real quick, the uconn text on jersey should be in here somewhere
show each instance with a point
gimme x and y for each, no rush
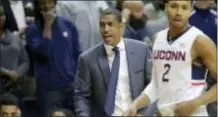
(169, 55)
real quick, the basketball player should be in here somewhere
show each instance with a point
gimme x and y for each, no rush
(179, 56)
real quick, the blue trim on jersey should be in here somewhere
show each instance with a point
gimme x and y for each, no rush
(198, 72)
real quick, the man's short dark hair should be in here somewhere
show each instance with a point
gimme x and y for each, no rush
(111, 11)
(8, 99)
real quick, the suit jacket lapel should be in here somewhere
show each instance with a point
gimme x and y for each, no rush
(131, 58)
(103, 63)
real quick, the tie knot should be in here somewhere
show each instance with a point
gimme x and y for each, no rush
(116, 50)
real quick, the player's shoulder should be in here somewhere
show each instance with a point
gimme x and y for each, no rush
(202, 39)
(162, 33)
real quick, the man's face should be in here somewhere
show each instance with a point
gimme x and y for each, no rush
(2, 17)
(111, 29)
(137, 11)
(46, 5)
(178, 12)
(9, 110)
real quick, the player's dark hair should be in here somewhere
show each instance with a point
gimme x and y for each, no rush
(111, 11)
(8, 99)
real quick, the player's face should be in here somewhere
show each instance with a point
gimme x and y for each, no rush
(178, 12)
(111, 29)
(8, 110)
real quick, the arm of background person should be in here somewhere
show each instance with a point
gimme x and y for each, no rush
(82, 89)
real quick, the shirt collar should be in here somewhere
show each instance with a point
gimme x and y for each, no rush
(109, 48)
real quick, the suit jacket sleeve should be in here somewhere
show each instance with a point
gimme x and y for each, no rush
(148, 70)
(82, 89)
(148, 65)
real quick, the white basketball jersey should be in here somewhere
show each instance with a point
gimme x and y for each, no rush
(177, 79)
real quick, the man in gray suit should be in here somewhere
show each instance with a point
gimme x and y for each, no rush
(113, 73)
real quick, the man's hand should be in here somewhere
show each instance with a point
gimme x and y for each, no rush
(186, 108)
(132, 111)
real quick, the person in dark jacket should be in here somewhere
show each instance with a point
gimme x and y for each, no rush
(135, 27)
(55, 46)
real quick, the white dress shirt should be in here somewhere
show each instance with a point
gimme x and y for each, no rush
(123, 97)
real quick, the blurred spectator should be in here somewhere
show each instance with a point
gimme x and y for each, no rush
(11, 21)
(135, 27)
(159, 7)
(62, 113)
(84, 14)
(150, 11)
(14, 61)
(119, 5)
(157, 20)
(102, 5)
(19, 14)
(29, 11)
(54, 43)
(205, 18)
(9, 106)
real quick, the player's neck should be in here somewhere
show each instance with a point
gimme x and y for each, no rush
(173, 31)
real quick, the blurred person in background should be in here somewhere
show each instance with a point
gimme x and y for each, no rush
(157, 19)
(102, 5)
(119, 5)
(9, 106)
(84, 14)
(17, 8)
(54, 42)
(11, 23)
(205, 18)
(135, 26)
(14, 62)
(29, 11)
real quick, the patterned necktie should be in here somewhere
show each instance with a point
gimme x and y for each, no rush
(111, 92)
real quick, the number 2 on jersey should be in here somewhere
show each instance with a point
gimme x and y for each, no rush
(167, 68)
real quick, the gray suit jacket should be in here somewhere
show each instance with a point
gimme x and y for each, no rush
(93, 76)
